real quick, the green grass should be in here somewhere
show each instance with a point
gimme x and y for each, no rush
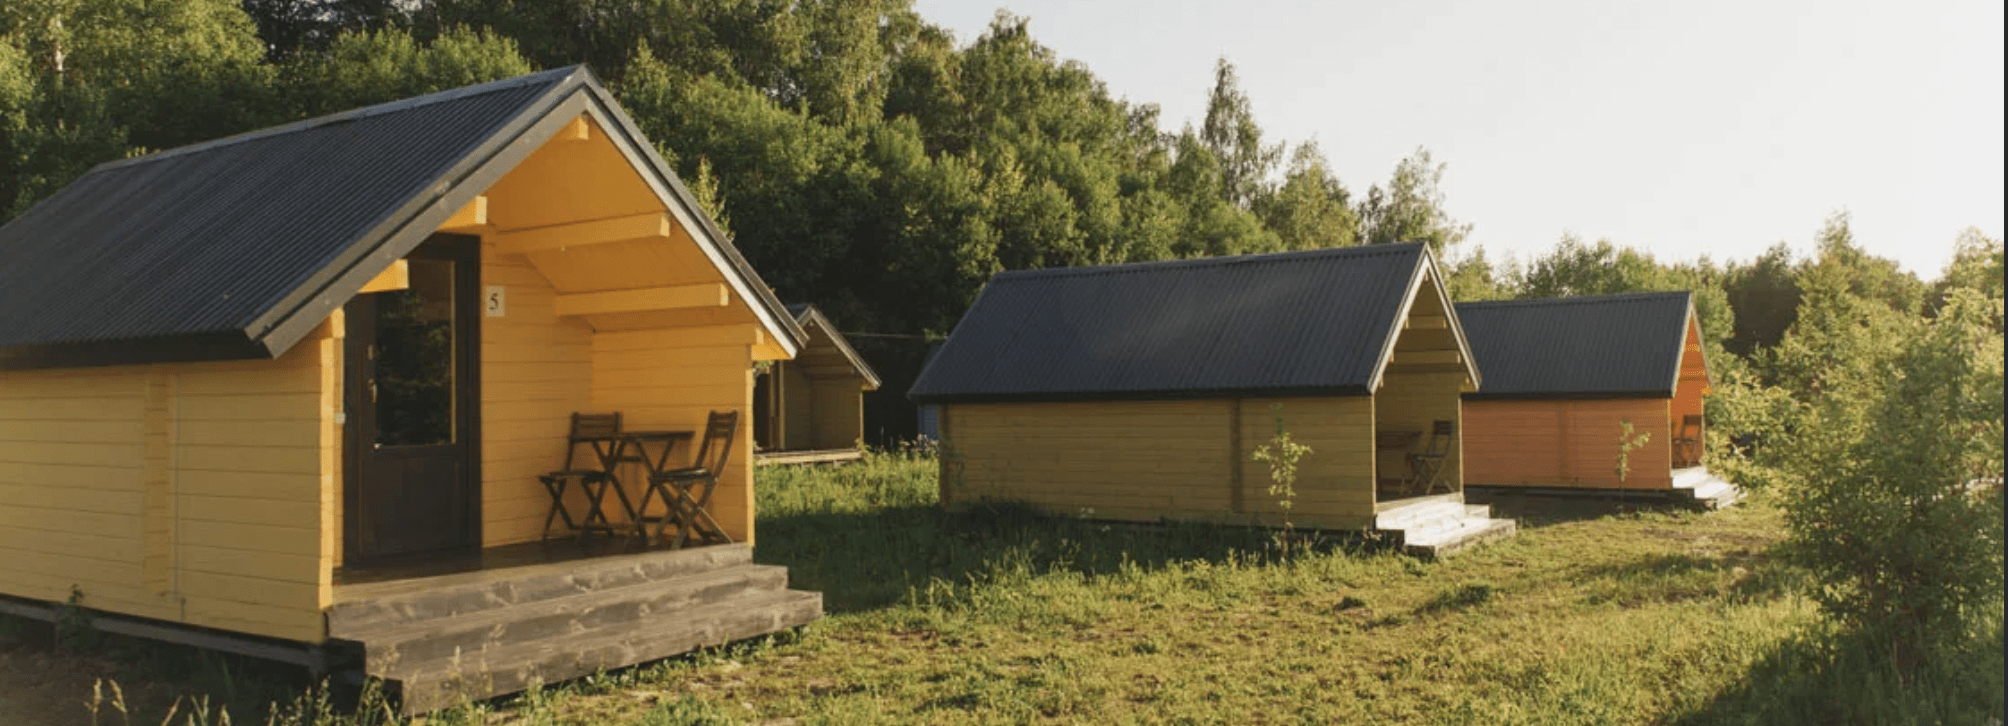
(1004, 616)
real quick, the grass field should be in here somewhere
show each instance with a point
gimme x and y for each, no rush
(1590, 616)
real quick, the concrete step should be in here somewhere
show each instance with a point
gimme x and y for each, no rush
(1688, 477)
(368, 608)
(415, 647)
(514, 667)
(1442, 540)
(1704, 488)
(1410, 515)
(1478, 511)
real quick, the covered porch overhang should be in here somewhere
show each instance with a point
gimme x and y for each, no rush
(599, 292)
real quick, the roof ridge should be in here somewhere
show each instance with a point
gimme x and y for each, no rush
(1579, 299)
(1221, 261)
(354, 114)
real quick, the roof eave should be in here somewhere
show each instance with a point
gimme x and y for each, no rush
(1564, 395)
(1161, 395)
(186, 348)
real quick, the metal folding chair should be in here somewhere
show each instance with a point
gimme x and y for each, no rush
(1427, 464)
(687, 491)
(596, 432)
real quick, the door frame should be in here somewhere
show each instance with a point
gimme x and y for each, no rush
(465, 252)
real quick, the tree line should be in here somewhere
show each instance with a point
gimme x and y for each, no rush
(859, 156)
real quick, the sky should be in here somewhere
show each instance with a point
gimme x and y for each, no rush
(1682, 128)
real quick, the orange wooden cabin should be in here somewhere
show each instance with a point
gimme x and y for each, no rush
(1563, 375)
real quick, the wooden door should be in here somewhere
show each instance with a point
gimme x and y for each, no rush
(412, 483)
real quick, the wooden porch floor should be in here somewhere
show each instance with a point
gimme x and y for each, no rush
(445, 629)
(807, 456)
(526, 554)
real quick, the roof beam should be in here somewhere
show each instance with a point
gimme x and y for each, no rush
(395, 277)
(1427, 322)
(471, 219)
(653, 225)
(830, 371)
(577, 130)
(1426, 357)
(710, 294)
(1425, 368)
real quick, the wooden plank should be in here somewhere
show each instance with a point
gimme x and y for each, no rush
(395, 277)
(648, 226)
(471, 219)
(254, 537)
(652, 298)
(1426, 322)
(304, 459)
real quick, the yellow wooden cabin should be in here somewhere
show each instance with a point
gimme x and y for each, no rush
(289, 393)
(811, 409)
(1139, 392)
(1562, 377)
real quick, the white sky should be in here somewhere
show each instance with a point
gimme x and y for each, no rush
(1683, 128)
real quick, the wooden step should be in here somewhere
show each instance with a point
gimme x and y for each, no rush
(418, 646)
(514, 667)
(361, 609)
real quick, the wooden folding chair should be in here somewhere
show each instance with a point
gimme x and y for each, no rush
(1687, 444)
(1427, 464)
(596, 432)
(687, 491)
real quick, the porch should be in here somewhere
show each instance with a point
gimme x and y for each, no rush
(443, 629)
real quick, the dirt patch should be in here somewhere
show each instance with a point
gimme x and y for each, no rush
(47, 687)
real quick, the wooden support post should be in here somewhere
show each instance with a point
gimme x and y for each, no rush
(1238, 499)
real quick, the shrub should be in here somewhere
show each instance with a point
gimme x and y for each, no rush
(1899, 514)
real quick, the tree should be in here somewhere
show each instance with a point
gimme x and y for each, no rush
(1231, 134)
(1765, 297)
(107, 78)
(1976, 265)
(1473, 278)
(1311, 209)
(360, 69)
(1410, 208)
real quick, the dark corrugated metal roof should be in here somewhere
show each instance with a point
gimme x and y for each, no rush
(1295, 322)
(215, 250)
(1609, 346)
(204, 240)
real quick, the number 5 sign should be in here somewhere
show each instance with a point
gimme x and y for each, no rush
(493, 302)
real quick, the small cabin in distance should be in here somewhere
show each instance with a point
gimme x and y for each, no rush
(810, 410)
(1564, 374)
(1139, 392)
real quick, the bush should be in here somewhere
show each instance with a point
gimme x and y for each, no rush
(1899, 513)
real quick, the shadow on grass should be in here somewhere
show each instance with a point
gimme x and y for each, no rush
(1542, 510)
(871, 559)
(1826, 676)
(1741, 575)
